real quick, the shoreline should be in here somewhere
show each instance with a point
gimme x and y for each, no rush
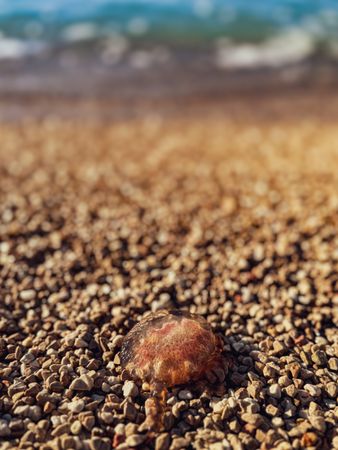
(249, 97)
(189, 83)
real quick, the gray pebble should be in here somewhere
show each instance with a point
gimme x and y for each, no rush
(184, 394)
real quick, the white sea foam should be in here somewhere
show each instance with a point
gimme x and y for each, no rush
(113, 48)
(290, 47)
(15, 48)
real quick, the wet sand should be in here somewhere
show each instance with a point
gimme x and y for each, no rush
(224, 207)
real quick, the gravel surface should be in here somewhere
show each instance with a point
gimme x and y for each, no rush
(102, 223)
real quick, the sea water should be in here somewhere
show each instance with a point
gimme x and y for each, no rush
(238, 33)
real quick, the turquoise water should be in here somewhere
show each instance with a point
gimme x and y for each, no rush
(176, 20)
(26, 26)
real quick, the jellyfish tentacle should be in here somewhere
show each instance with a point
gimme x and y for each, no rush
(154, 407)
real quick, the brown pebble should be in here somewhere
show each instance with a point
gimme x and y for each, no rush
(135, 440)
(309, 439)
(61, 429)
(333, 364)
(319, 357)
(82, 383)
(162, 441)
(97, 443)
(75, 427)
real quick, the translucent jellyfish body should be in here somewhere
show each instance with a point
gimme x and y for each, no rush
(170, 348)
(166, 349)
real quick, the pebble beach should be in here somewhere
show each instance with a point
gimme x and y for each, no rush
(231, 214)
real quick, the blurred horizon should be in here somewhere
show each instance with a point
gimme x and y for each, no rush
(132, 52)
(238, 33)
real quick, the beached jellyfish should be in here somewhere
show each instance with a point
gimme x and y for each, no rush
(166, 349)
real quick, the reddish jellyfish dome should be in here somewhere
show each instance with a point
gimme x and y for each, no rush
(169, 348)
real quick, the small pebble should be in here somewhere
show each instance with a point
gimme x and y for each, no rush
(76, 406)
(333, 364)
(135, 440)
(313, 390)
(319, 357)
(184, 394)
(130, 389)
(162, 442)
(28, 294)
(82, 383)
(275, 391)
